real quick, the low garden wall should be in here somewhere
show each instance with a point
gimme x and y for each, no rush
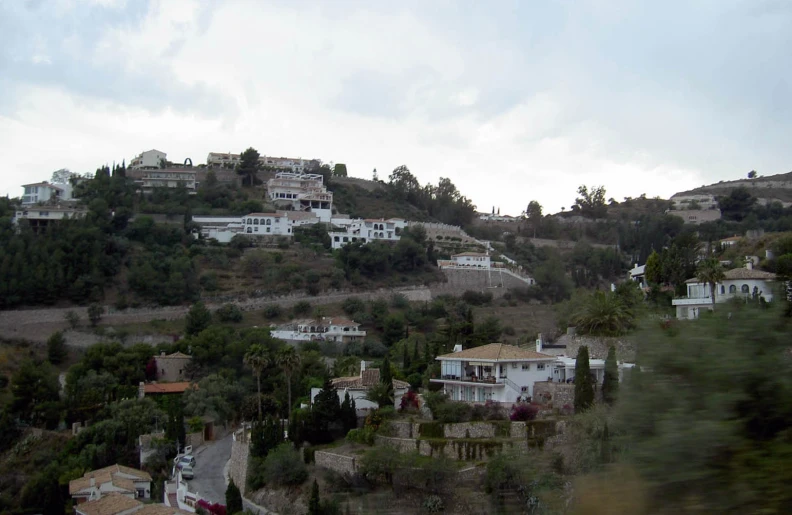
(337, 462)
(456, 449)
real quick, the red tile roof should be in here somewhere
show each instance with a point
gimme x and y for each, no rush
(160, 388)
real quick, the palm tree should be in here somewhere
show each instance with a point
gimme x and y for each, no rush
(257, 359)
(710, 272)
(289, 361)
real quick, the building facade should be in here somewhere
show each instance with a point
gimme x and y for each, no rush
(149, 159)
(148, 179)
(358, 386)
(301, 192)
(472, 260)
(44, 192)
(172, 367)
(739, 283)
(368, 230)
(267, 224)
(333, 329)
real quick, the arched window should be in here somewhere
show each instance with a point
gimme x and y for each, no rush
(723, 289)
(250, 221)
(745, 288)
(269, 222)
(255, 221)
(249, 229)
(732, 289)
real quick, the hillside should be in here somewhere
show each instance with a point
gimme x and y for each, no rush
(766, 189)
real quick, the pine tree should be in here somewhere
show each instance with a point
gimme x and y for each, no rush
(348, 413)
(233, 498)
(56, 348)
(610, 384)
(314, 504)
(584, 387)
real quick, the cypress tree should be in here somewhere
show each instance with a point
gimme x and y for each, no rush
(584, 387)
(233, 498)
(314, 504)
(610, 384)
(386, 377)
(415, 357)
(405, 357)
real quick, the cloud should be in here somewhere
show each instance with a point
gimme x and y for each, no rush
(512, 102)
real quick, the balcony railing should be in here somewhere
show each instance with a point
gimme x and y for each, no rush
(474, 379)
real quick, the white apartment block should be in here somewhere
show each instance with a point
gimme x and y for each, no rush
(147, 180)
(41, 216)
(42, 192)
(148, 159)
(293, 164)
(368, 230)
(267, 224)
(303, 192)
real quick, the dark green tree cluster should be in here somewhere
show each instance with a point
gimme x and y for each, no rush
(377, 259)
(266, 435)
(322, 423)
(443, 202)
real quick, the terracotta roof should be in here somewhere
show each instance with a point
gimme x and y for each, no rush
(110, 504)
(179, 355)
(273, 215)
(155, 388)
(368, 378)
(471, 254)
(737, 274)
(160, 509)
(123, 469)
(495, 352)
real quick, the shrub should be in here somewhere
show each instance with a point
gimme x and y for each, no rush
(488, 411)
(209, 282)
(409, 402)
(453, 412)
(353, 349)
(273, 311)
(380, 463)
(309, 454)
(434, 400)
(399, 301)
(73, 319)
(374, 349)
(523, 412)
(364, 436)
(284, 466)
(433, 503)
(475, 298)
(56, 348)
(509, 330)
(95, 312)
(415, 379)
(302, 308)
(229, 313)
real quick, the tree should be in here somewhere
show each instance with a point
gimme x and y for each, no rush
(248, 166)
(34, 387)
(584, 386)
(752, 174)
(604, 314)
(56, 348)
(710, 272)
(340, 170)
(737, 204)
(257, 359)
(393, 330)
(289, 361)
(348, 413)
(174, 427)
(386, 378)
(95, 312)
(266, 435)
(314, 504)
(591, 204)
(73, 319)
(654, 269)
(198, 318)
(610, 384)
(534, 215)
(233, 498)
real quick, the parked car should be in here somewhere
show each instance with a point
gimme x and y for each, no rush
(186, 460)
(187, 472)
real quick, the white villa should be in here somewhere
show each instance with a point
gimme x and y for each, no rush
(148, 159)
(738, 283)
(332, 329)
(368, 230)
(638, 275)
(41, 216)
(496, 372)
(358, 386)
(276, 224)
(471, 259)
(303, 192)
(126, 481)
(224, 228)
(41, 192)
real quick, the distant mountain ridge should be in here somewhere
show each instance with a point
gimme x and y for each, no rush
(767, 189)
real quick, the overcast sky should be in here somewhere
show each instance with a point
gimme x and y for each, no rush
(512, 100)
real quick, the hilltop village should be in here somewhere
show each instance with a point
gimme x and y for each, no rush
(271, 335)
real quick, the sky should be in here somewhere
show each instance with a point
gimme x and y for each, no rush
(512, 100)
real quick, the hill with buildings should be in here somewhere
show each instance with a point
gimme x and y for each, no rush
(773, 188)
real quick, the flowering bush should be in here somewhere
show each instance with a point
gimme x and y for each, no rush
(523, 412)
(410, 402)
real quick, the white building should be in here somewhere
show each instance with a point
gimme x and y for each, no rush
(267, 224)
(332, 329)
(42, 192)
(694, 202)
(358, 386)
(119, 479)
(147, 179)
(496, 372)
(41, 216)
(220, 228)
(303, 192)
(224, 159)
(638, 275)
(148, 159)
(368, 230)
(472, 260)
(741, 283)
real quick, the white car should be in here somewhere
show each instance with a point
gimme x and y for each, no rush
(184, 461)
(187, 472)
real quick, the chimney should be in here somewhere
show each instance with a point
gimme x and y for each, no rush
(458, 347)
(362, 366)
(539, 343)
(749, 264)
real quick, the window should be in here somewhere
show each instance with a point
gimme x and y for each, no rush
(526, 366)
(268, 229)
(732, 289)
(723, 289)
(540, 366)
(336, 238)
(269, 222)
(250, 221)
(745, 289)
(256, 229)
(514, 365)
(249, 230)
(255, 221)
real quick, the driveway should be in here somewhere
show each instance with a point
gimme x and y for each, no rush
(210, 461)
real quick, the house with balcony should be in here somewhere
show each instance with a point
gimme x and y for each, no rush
(267, 224)
(739, 283)
(40, 217)
(496, 372)
(44, 192)
(371, 229)
(638, 275)
(331, 329)
(301, 192)
(149, 159)
(118, 479)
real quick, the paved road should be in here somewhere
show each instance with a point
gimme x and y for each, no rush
(210, 461)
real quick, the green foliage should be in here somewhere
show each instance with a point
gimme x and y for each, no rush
(603, 314)
(216, 397)
(249, 166)
(301, 308)
(348, 413)
(380, 463)
(591, 204)
(283, 466)
(477, 298)
(174, 426)
(737, 204)
(273, 311)
(314, 504)
(584, 385)
(443, 202)
(363, 436)
(73, 319)
(233, 498)
(552, 281)
(711, 272)
(340, 170)
(610, 384)
(35, 391)
(56, 348)
(266, 435)
(229, 313)
(198, 318)
(707, 419)
(352, 305)
(313, 236)
(95, 312)
(654, 269)
(393, 330)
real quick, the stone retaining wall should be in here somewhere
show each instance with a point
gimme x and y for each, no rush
(337, 462)
(238, 465)
(459, 449)
(470, 430)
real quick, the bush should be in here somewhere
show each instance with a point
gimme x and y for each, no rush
(374, 349)
(56, 348)
(273, 311)
(302, 308)
(475, 298)
(353, 349)
(433, 503)
(434, 400)
(509, 330)
(399, 301)
(229, 313)
(409, 402)
(284, 466)
(364, 436)
(523, 412)
(488, 411)
(209, 282)
(453, 411)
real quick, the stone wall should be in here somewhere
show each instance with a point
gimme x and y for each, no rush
(598, 346)
(337, 462)
(455, 449)
(195, 439)
(459, 281)
(238, 465)
(470, 430)
(556, 395)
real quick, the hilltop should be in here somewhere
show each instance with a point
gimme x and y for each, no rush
(766, 189)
